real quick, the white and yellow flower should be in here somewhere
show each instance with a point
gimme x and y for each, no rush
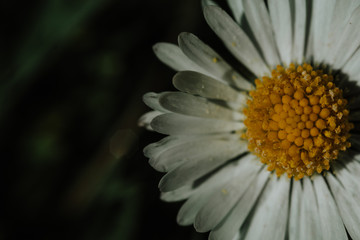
(273, 156)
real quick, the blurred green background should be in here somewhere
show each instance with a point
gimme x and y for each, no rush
(72, 78)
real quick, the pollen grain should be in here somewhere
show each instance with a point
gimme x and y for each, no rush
(297, 121)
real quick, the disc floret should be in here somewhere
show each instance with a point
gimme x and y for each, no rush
(297, 121)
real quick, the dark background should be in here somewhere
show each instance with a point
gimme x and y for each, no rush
(72, 78)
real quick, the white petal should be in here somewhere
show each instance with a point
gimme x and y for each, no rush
(259, 21)
(322, 12)
(352, 163)
(205, 3)
(225, 198)
(349, 208)
(299, 31)
(351, 68)
(191, 207)
(295, 210)
(178, 194)
(349, 177)
(210, 60)
(356, 156)
(172, 56)
(281, 20)
(330, 220)
(227, 172)
(237, 9)
(349, 41)
(309, 49)
(155, 149)
(176, 124)
(201, 194)
(218, 178)
(235, 40)
(342, 13)
(271, 213)
(171, 156)
(309, 218)
(230, 226)
(145, 119)
(201, 160)
(237, 236)
(151, 99)
(205, 86)
(187, 104)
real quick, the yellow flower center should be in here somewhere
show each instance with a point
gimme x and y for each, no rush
(297, 121)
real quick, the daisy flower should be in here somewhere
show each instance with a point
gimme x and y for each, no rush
(272, 154)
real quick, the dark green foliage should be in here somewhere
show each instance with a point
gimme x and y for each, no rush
(72, 78)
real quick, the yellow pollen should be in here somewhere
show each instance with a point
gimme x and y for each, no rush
(297, 121)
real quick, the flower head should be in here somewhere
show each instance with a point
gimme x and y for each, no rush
(272, 155)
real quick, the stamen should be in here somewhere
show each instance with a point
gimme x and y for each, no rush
(297, 121)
